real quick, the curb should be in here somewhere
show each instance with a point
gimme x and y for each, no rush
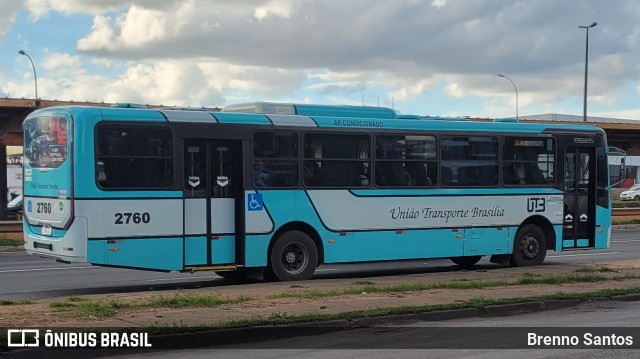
(11, 248)
(627, 297)
(625, 226)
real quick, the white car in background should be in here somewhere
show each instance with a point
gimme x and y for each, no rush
(632, 193)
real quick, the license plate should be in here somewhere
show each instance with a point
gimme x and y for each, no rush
(48, 246)
(46, 230)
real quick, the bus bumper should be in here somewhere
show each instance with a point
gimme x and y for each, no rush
(71, 246)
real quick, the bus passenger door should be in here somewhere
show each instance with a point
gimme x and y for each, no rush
(213, 186)
(579, 198)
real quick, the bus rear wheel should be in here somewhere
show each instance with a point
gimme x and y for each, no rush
(294, 256)
(529, 246)
(467, 261)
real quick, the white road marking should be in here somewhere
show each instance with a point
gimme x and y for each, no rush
(584, 254)
(627, 240)
(42, 269)
(180, 279)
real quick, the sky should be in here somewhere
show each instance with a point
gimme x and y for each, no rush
(425, 57)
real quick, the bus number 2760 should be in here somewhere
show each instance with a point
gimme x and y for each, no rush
(43, 207)
(135, 218)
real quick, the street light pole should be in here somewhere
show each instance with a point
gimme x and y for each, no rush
(586, 67)
(35, 77)
(515, 88)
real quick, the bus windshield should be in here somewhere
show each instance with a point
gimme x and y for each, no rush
(45, 141)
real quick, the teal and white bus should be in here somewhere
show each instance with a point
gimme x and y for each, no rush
(283, 188)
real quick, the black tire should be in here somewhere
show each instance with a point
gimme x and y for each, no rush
(467, 261)
(294, 256)
(529, 247)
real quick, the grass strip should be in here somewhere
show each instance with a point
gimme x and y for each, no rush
(314, 317)
(15, 302)
(595, 269)
(527, 279)
(190, 300)
(630, 221)
(6, 242)
(84, 307)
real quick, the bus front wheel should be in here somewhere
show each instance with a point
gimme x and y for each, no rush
(294, 256)
(467, 261)
(529, 246)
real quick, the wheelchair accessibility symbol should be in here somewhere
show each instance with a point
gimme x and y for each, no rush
(254, 201)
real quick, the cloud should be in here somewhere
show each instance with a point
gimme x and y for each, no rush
(281, 8)
(135, 28)
(8, 12)
(402, 48)
(62, 62)
(439, 3)
(410, 91)
(40, 8)
(411, 39)
(632, 114)
(169, 82)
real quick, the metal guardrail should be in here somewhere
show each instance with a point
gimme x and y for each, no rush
(10, 226)
(626, 212)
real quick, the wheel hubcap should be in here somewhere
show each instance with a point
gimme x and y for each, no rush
(530, 246)
(295, 258)
(290, 257)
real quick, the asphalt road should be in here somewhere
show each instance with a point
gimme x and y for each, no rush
(29, 277)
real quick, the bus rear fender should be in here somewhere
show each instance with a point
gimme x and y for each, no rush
(546, 227)
(303, 227)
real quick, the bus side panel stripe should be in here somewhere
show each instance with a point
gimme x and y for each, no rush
(135, 218)
(341, 211)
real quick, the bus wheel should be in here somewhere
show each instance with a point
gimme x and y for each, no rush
(529, 246)
(467, 261)
(294, 256)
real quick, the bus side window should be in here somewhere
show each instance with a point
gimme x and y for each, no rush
(310, 172)
(342, 160)
(275, 159)
(122, 160)
(534, 174)
(261, 175)
(447, 176)
(101, 177)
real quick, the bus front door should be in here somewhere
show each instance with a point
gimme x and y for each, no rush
(212, 191)
(579, 198)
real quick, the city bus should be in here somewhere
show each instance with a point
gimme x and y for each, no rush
(279, 189)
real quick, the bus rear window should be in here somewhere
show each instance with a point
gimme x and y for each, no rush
(45, 141)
